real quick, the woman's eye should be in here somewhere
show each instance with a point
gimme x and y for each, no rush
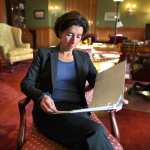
(79, 36)
(70, 35)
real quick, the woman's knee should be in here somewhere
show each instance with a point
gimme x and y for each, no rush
(98, 129)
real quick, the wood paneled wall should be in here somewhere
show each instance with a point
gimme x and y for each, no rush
(42, 37)
(130, 33)
(53, 40)
(45, 37)
(86, 8)
(2, 15)
(27, 37)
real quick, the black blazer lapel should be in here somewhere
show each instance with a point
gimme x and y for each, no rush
(81, 73)
(53, 62)
(79, 67)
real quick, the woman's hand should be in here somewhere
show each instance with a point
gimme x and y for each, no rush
(47, 104)
(88, 96)
(125, 102)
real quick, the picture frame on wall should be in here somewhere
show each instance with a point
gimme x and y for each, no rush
(39, 14)
(110, 16)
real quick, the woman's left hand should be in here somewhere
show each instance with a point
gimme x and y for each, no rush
(125, 102)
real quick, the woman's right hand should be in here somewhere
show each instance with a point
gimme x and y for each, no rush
(47, 104)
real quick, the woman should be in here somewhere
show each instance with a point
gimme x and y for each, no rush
(56, 81)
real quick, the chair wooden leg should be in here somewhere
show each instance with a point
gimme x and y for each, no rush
(114, 125)
(21, 133)
(22, 128)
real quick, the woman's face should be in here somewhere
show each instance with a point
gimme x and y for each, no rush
(71, 37)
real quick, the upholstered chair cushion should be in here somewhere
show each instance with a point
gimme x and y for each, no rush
(19, 51)
(18, 54)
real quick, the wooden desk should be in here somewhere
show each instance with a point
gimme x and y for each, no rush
(103, 55)
(107, 47)
(138, 57)
(135, 49)
(105, 60)
(143, 49)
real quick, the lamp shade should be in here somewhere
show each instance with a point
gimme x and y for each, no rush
(119, 24)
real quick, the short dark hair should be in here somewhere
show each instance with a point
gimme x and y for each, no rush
(67, 20)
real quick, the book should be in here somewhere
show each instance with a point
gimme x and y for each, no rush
(108, 91)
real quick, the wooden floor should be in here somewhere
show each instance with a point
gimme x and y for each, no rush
(134, 124)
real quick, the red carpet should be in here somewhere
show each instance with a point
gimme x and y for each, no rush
(134, 130)
(10, 94)
(134, 126)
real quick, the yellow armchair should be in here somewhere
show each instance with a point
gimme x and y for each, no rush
(11, 46)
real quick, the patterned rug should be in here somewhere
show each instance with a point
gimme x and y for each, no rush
(10, 94)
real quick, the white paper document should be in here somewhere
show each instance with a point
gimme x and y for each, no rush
(108, 91)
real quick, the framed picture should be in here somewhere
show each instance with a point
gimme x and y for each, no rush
(39, 14)
(110, 16)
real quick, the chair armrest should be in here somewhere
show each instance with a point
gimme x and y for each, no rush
(1, 52)
(25, 45)
(114, 125)
(17, 33)
(22, 126)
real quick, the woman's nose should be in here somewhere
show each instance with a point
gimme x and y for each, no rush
(73, 39)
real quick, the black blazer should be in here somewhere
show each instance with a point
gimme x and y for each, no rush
(41, 75)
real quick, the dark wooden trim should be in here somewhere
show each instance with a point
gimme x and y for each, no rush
(22, 126)
(114, 125)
